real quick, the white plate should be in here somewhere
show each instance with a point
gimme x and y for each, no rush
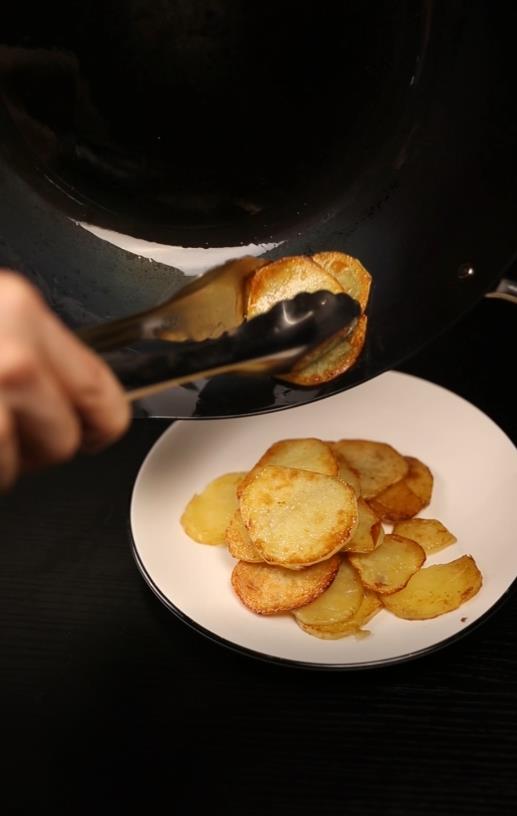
(475, 470)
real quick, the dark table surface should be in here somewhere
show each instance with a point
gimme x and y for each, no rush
(108, 701)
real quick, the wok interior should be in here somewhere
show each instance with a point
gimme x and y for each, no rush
(206, 114)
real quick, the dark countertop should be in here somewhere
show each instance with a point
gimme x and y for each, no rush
(108, 701)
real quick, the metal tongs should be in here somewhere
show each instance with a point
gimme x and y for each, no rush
(206, 334)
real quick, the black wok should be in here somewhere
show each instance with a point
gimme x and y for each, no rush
(386, 130)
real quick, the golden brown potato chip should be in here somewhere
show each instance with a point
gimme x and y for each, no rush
(338, 355)
(405, 498)
(336, 359)
(283, 279)
(429, 533)
(238, 541)
(208, 514)
(370, 606)
(305, 454)
(388, 568)
(396, 502)
(345, 472)
(338, 603)
(267, 590)
(419, 479)
(369, 532)
(378, 464)
(296, 517)
(435, 590)
(349, 272)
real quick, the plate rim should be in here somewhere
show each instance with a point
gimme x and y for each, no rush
(312, 665)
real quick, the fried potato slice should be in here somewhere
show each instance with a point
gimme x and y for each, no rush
(304, 454)
(396, 502)
(207, 515)
(297, 517)
(336, 359)
(378, 464)
(283, 279)
(405, 498)
(268, 590)
(238, 541)
(388, 568)
(370, 606)
(339, 355)
(431, 534)
(349, 272)
(419, 479)
(338, 603)
(369, 532)
(345, 472)
(435, 590)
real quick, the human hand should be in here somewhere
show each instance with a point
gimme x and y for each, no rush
(56, 396)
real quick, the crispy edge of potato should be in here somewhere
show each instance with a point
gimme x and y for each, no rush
(362, 562)
(409, 604)
(377, 534)
(343, 267)
(376, 531)
(239, 544)
(345, 472)
(371, 605)
(400, 501)
(270, 277)
(335, 361)
(254, 585)
(420, 479)
(336, 355)
(437, 538)
(265, 459)
(351, 450)
(397, 503)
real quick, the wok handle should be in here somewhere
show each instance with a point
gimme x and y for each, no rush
(505, 290)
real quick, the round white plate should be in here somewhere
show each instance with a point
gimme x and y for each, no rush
(475, 471)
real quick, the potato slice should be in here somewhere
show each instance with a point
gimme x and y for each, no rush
(395, 503)
(338, 603)
(419, 479)
(296, 517)
(388, 568)
(378, 464)
(305, 454)
(345, 472)
(283, 279)
(208, 514)
(369, 532)
(337, 358)
(406, 498)
(342, 353)
(349, 272)
(370, 606)
(435, 590)
(268, 590)
(429, 533)
(238, 541)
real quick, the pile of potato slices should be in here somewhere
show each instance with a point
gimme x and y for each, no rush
(330, 271)
(307, 527)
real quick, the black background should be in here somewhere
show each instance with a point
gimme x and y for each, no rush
(109, 702)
